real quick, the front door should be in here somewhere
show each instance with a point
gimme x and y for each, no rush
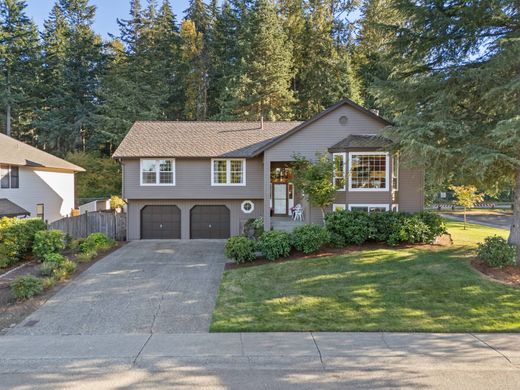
(280, 198)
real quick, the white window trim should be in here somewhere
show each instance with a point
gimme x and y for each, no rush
(228, 172)
(247, 211)
(157, 173)
(387, 173)
(340, 206)
(344, 155)
(395, 169)
(386, 206)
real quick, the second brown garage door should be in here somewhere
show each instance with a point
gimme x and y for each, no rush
(160, 222)
(209, 222)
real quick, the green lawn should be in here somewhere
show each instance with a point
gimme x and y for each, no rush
(384, 289)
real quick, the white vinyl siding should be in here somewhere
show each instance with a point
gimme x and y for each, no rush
(228, 172)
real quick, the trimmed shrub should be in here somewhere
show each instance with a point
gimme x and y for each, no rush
(17, 237)
(48, 242)
(95, 242)
(496, 252)
(54, 258)
(275, 244)
(436, 226)
(309, 238)
(354, 227)
(387, 227)
(240, 249)
(23, 287)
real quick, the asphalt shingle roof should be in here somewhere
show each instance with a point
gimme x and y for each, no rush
(362, 142)
(10, 209)
(15, 152)
(199, 139)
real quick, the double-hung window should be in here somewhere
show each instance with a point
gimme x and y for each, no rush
(228, 172)
(369, 171)
(158, 172)
(9, 176)
(340, 171)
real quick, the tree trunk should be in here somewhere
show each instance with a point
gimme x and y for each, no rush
(8, 108)
(323, 213)
(514, 234)
(464, 217)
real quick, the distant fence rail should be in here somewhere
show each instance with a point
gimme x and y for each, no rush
(112, 224)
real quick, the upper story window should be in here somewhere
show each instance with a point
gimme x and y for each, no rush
(340, 171)
(158, 172)
(9, 176)
(228, 172)
(369, 171)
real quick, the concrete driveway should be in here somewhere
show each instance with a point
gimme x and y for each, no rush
(151, 286)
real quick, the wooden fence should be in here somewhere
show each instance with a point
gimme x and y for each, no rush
(112, 224)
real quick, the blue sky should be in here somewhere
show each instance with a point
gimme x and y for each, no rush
(107, 12)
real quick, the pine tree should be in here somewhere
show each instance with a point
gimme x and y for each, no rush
(378, 23)
(327, 75)
(264, 86)
(19, 67)
(454, 92)
(73, 59)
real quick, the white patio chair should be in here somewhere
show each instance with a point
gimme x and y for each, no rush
(298, 213)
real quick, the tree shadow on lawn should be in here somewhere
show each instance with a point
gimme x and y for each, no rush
(376, 290)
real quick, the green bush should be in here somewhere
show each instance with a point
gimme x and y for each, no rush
(275, 244)
(354, 227)
(57, 266)
(64, 270)
(309, 238)
(86, 257)
(48, 242)
(496, 252)
(95, 242)
(17, 237)
(253, 228)
(23, 287)
(240, 249)
(54, 258)
(47, 268)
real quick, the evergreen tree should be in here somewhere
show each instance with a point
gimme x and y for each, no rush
(73, 60)
(19, 67)
(264, 86)
(327, 75)
(455, 90)
(378, 23)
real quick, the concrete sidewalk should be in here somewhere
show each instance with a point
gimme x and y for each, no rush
(262, 360)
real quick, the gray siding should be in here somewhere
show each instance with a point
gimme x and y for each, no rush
(192, 181)
(410, 196)
(237, 217)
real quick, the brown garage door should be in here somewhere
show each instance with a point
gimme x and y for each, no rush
(209, 222)
(160, 222)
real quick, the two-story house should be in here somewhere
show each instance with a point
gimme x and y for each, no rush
(192, 180)
(34, 183)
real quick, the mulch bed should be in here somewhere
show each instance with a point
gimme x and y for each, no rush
(445, 240)
(12, 311)
(508, 275)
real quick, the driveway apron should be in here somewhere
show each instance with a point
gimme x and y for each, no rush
(150, 286)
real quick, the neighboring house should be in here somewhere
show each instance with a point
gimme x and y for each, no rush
(206, 179)
(33, 182)
(95, 205)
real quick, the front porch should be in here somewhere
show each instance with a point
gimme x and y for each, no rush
(286, 224)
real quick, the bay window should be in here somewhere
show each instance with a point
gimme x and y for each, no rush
(340, 171)
(369, 171)
(158, 172)
(228, 172)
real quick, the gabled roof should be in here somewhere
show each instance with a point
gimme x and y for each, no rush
(343, 102)
(199, 139)
(15, 152)
(10, 209)
(214, 139)
(361, 142)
